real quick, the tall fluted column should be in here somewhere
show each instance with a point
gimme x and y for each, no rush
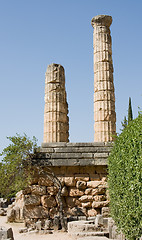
(104, 98)
(56, 121)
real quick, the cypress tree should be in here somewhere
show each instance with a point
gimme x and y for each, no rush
(130, 113)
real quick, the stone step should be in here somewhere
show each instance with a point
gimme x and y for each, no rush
(93, 238)
(103, 235)
(96, 225)
(78, 226)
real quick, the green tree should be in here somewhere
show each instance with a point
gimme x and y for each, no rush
(125, 180)
(125, 122)
(130, 113)
(13, 176)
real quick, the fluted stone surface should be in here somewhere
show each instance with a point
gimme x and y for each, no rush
(56, 122)
(104, 98)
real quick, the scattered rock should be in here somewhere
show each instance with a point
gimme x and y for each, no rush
(38, 225)
(48, 224)
(23, 230)
(3, 212)
(6, 233)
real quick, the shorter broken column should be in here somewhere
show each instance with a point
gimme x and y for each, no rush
(56, 121)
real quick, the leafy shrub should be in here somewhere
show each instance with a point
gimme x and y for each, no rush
(13, 176)
(125, 180)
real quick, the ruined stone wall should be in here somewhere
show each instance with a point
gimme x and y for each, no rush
(83, 193)
(82, 170)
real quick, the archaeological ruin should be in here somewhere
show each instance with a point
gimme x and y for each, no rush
(104, 99)
(70, 179)
(56, 121)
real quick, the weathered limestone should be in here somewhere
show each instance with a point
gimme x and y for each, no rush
(56, 122)
(83, 184)
(6, 233)
(104, 98)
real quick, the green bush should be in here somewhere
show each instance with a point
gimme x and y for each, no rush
(13, 176)
(125, 180)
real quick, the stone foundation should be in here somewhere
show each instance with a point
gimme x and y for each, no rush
(78, 171)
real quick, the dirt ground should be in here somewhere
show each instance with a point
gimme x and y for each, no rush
(33, 236)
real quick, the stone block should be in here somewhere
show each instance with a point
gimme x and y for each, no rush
(48, 224)
(81, 184)
(47, 150)
(38, 225)
(77, 211)
(82, 177)
(88, 144)
(88, 191)
(3, 212)
(35, 212)
(48, 201)
(99, 198)
(99, 221)
(105, 222)
(66, 155)
(72, 202)
(74, 192)
(86, 198)
(86, 204)
(93, 184)
(31, 200)
(38, 190)
(100, 204)
(113, 230)
(23, 230)
(101, 190)
(105, 211)
(6, 233)
(87, 155)
(52, 190)
(91, 212)
(69, 181)
(45, 181)
(100, 155)
(53, 211)
(18, 213)
(53, 144)
(10, 214)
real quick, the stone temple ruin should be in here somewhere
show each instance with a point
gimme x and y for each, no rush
(70, 179)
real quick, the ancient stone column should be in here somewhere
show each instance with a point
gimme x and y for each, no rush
(104, 98)
(56, 121)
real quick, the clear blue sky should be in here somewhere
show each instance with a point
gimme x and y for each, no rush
(35, 33)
